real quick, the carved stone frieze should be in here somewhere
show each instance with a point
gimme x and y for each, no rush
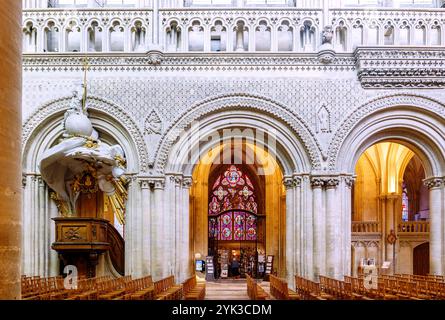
(396, 68)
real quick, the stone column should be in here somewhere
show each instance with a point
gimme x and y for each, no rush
(436, 188)
(298, 235)
(306, 230)
(178, 231)
(333, 241)
(185, 254)
(146, 227)
(10, 141)
(319, 227)
(157, 233)
(346, 227)
(290, 229)
(391, 221)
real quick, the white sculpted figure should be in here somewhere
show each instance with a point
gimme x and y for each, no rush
(80, 149)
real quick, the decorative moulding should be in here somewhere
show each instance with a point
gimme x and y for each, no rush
(400, 67)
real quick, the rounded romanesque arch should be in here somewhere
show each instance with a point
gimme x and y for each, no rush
(43, 127)
(295, 140)
(413, 120)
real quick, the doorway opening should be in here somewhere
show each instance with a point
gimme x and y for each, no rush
(390, 215)
(238, 210)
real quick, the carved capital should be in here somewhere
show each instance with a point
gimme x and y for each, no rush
(288, 183)
(187, 182)
(349, 181)
(434, 182)
(145, 184)
(24, 180)
(332, 183)
(158, 184)
(297, 181)
(317, 182)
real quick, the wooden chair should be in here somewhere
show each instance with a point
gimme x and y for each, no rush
(280, 290)
(254, 290)
(192, 290)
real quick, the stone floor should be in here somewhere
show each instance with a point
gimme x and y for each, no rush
(229, 289)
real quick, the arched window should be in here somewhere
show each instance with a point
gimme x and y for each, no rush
(285, 36)
(116, 37)
(94, 37)
(30, 37)
(233, 207)
(263, 36)
(138, 33)
(196, 36)
(218, 37)
(72, 37)
(51, 37)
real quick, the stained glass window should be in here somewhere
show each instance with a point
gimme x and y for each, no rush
(233, 225)
(233, 190)
(233, 207)
(405, 203)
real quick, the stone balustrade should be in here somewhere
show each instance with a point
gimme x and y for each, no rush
(267, 29)
(414, 227)
(365, 226)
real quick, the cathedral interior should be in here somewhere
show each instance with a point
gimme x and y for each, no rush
(274, 149)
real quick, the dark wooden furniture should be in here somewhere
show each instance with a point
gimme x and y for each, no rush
(81, 240)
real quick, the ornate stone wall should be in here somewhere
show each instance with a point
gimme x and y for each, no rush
(328, 105)
(325, 99)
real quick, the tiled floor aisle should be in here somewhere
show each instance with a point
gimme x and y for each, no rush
(229, 289)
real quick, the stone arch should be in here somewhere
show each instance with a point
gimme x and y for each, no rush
(246, 106)
(413, 120)
(45, 124)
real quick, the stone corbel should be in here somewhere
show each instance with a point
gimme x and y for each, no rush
(155, 57)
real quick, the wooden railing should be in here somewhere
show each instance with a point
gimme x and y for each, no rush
(366, 226)
(414, 227)
(117, 249)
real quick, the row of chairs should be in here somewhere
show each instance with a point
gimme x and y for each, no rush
(137, 289)
(193, 290)
(396, 287)
(386, 288)
(280, 290)
(166, 289)
(339, 290)
(107, 288)
(254, 290)
(416, 277)
(414, 287)
(97, 289)
(310, 290)
(53, 288)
